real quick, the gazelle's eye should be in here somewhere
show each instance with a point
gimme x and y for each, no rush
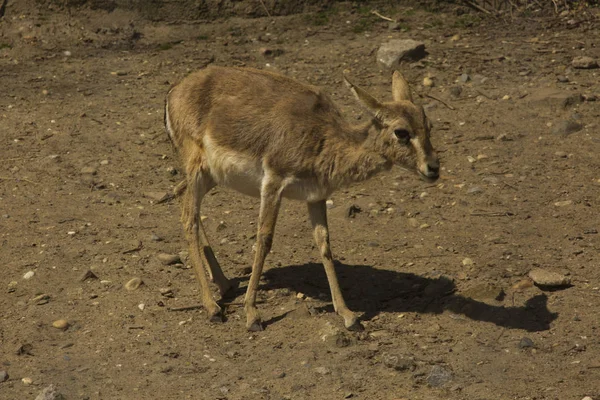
(403, 136)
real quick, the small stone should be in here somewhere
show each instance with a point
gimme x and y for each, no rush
(563, 203)
(464, 78)
(467, 262)
(87, 275)
(428, 82)
(484, 291)
(541, 277)
(566, 127)
(398, 362)
(562, 79)
(584, 62)
(141, 306)
(353, 210)
(373, 244)
(395, 51)
(329, 203)
(27, 381)
(522, 285)
(439, 376)
(455, 38)
(587, 398)
(561, 154)
(322, 371)
(423, 226)
(50, 393)
(455, 91)
(134, 284)
(155, 238)
(300, 296)
(28, 275)
(413, 222)
(334, 337)
(89, 171)
(168, 259)
(471, 159)
(3, 376)
(474, 190)
(525, 343)
(506, 97)
(166, 292)
(278, 374)
(67, 53)
(61, 324)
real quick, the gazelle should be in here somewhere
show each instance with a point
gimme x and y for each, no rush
(269, 136)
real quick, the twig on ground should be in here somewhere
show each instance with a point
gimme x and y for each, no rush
(477, 7)
(440, 100)
(262, 3)
(18, 179)
(374, 12)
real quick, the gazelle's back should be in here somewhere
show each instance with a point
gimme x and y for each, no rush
(252, 111)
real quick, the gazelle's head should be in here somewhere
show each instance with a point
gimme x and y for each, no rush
(402, 129)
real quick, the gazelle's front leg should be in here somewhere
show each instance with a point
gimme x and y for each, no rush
(270, 199)
(318, 219)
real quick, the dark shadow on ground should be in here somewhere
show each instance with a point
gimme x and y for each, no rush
(371, 291)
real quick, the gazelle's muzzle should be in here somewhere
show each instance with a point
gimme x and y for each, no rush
(430, 169)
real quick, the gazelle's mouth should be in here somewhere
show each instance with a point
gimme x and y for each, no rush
(427, 178)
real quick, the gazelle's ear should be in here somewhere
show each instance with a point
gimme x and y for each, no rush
(400, 88)
(372, 104)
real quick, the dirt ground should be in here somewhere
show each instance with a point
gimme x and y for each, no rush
(438, 271)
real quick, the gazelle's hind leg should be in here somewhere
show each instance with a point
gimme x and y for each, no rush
(203, 259)
(318, 219)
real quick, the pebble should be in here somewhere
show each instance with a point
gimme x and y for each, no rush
(61, 324)
(467, 262)
(3, 376)
(471, 159)
(87, 275)
(28, 275)
(322, 371)
(134, 284)
(329, 203)
(525, 343)
(398, 362)
(474, 190)
(428, 82)
(168, 259)
(439, 376)
(413, 222)
(300, 296)
(89, 171)
(141, 306)
(155, 238)
(587, 398)
(542, 277)
(41, 299)
(278, 374)
(27, 381)
(455, 91)
(464, 78)
(167, 292)
(563, 203)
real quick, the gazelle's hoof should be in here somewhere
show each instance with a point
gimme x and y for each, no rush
(216, 316)
(354, 325)
(255, 326)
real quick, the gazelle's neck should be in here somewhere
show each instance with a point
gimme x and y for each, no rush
(356, 161)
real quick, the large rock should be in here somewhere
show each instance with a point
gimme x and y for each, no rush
(566, 127)
(395, 51)
(584, 62)
(554, 98)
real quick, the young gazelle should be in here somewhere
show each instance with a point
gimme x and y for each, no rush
(269, 136)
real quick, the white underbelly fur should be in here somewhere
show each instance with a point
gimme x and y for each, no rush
(246, 175)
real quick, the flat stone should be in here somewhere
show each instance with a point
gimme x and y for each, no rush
(566, 127)
(439, 376)
(584, 62)
(89, 171)
(28, 275)
(87, 275)
(134, 284)
(50, 393)
(484, 291)
(395, 51)
(525, 343)
(563, 203)
(546, 278)
(556, 98)
(3, 376)
(168, 259)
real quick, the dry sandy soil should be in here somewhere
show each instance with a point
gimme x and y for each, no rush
(438, 271)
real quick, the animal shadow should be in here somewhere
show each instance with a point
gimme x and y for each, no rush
(371, 291)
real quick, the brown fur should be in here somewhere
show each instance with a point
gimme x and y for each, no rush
(269, 136)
